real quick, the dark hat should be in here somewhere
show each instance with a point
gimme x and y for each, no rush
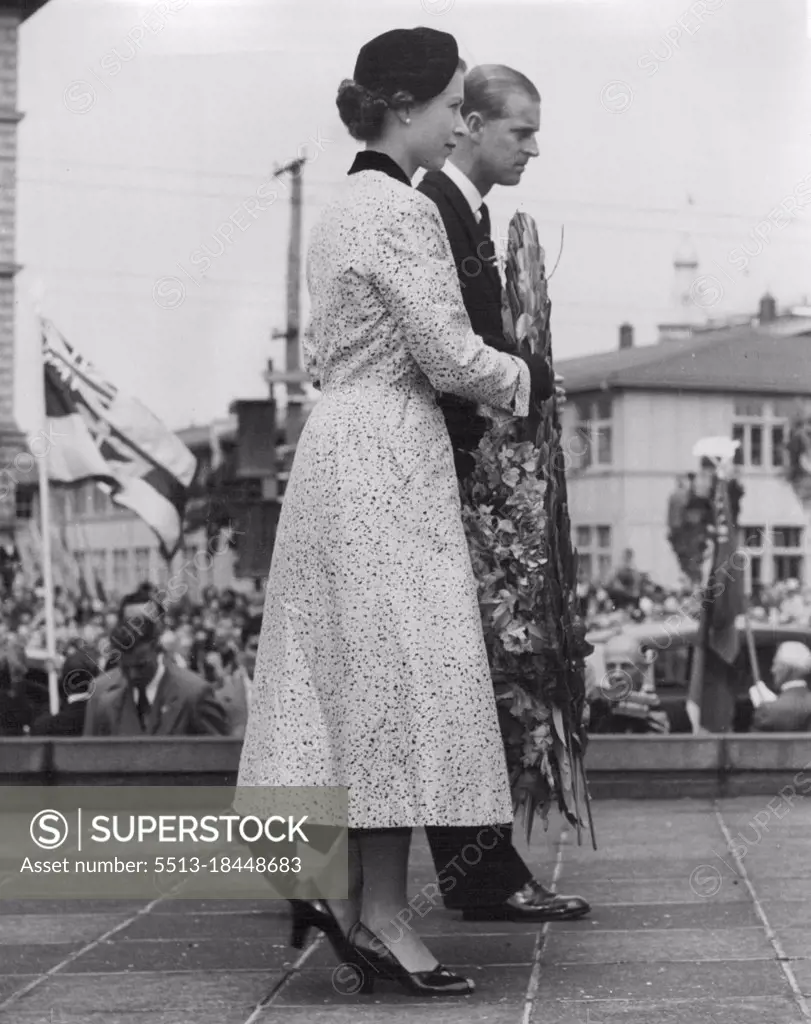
(417, 60)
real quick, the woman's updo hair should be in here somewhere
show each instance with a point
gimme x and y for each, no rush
(363, 111)
(401, 68)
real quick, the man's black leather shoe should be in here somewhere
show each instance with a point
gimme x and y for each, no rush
(532, 903)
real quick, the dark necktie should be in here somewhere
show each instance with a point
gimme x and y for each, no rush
(143, 706)
(487, 250)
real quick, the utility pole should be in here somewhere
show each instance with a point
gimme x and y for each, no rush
(293, 376)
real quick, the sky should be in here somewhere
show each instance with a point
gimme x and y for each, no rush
(152, 131)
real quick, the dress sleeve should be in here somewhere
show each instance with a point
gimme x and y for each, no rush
(309, 354)
(416, 277)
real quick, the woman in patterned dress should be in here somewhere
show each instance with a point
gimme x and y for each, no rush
(371, 671)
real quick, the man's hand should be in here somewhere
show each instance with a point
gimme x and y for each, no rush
(465, 426)
(560, 391)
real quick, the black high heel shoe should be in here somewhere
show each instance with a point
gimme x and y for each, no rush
(317, 914)
(375, 960)
(306, 916)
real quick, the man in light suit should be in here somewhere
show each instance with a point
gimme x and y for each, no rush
(791, 710)
(502, 112)
(146, 694)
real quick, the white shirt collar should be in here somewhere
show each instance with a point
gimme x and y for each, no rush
(151, 688)
(793, 684)
(466, 187)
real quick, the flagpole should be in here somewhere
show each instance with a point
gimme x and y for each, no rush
(47, 565)
(695, 692)
(719, 452)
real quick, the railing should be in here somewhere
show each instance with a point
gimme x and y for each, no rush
(637, 767)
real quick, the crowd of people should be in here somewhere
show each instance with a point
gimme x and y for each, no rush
(213, 640)
(630, 595)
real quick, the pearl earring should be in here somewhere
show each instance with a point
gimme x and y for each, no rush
(408, 120)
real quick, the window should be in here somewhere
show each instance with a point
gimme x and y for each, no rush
(604, 446)
(594, 551)
(83, 499)
(787, 548)
(121, 565)
(774, 553)
(24, 501)
(141, 565)
(778, 446)
(788, 567)
(101, 501)
(756, 445)
(59, 504)
(752, 536)
(98, 565)
(760, 427)
(739, 436)
(787, 536)
(594, 445)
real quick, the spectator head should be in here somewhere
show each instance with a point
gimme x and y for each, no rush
(791, 661)
(79, 669)
(135, 647)
(142, 602)
(224, 630)
(625, 666)
(250, 643)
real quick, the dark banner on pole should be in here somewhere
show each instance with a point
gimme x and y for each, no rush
(256, 524)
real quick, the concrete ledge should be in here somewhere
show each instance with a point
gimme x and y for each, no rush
(618, 766)
(147, 755)
(146, 761)
(21, 758)
(654, 754)
(769, 752)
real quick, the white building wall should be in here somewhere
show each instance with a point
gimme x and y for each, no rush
(653, 437)
(196, 566)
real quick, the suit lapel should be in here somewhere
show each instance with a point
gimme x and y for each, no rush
(166, 709)
(490, 277)
(461, 207)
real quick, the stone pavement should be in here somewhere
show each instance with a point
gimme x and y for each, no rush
(702, 915)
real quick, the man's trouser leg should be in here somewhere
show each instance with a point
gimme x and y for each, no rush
(476, 865)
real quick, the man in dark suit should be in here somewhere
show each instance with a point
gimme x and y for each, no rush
(76, 684)
(791, 710)
(502, 114)
(148, 695)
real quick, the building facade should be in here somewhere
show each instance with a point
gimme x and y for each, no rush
(111, 549)
(634, 415)
(12, 442)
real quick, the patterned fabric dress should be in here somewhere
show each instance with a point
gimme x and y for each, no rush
(371, 671)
